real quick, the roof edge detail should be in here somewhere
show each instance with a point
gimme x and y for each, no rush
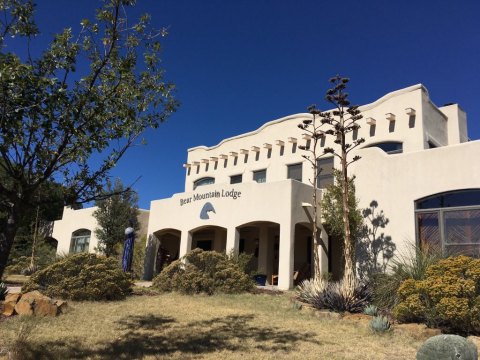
(307, 115)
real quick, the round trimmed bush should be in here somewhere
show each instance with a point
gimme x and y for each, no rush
(82, 277)
(203, 272)
(448, 297)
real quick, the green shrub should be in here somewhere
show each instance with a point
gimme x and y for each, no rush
(448, 297)
(82, 277)
(203, 272)
(17, 265)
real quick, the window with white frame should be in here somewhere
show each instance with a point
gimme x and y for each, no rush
(236, 179)
(294, 171)
(203, 181)
(325, 172)
(80, 241)
(260, 176)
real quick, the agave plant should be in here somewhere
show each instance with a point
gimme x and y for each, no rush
(371, 310)
(3, 291)
(380, 324)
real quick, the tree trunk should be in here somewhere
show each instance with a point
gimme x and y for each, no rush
(7, 238)
(348, 249)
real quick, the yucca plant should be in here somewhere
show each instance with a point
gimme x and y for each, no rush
(309, 291)
(379, 324)
(339, 297)
(3, 291)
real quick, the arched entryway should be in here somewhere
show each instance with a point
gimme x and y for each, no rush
(304, 259)
(209, 238)
(167, 248)
(261, 239)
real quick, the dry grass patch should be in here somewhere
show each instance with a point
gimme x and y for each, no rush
(203, 327)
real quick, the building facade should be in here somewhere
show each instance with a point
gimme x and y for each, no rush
(251, 193)
(75, 232)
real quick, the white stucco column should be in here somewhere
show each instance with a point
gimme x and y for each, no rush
(263, 249)
(233, 240)
(185, 242)
(285, 266)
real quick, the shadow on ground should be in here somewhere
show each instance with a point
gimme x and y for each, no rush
(152, 335)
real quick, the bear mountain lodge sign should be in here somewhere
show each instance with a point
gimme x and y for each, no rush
(232, 194)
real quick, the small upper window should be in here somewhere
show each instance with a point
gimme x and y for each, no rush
(294, 172)
(236, 179)
(390, 147)
(260, 176)
(325, 175)
(203, 181)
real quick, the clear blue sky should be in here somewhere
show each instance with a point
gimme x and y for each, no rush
(238, 64)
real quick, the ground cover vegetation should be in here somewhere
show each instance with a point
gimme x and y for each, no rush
(171, 325)
(82, 277)
(206, 272)
(91, 92)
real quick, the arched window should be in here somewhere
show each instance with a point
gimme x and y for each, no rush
(390, 147)
(203, 181)
(80, 241)
(450, 222)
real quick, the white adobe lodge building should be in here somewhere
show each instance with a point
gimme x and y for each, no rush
(251, 193)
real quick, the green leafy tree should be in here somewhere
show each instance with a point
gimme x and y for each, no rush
(114, 215)
(53, 118)
(332, 209)
(338, 123)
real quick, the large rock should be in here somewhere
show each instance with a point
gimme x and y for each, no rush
(12, 298)
(8, 309)
(24, 307)
(447, 347)
(61, 306)
(9, 304)
(33, 296)
(45, 307)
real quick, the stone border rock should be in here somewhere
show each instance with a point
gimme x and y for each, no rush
(31, 303)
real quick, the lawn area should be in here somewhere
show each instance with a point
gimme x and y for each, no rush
(202, 327)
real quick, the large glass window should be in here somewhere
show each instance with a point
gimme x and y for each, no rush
(203, 181)
(390, 147)
(294, 172)
(325, 176)
(236, 179)
(450, 221)
(469, 197)
(80, 241)
(260, 176)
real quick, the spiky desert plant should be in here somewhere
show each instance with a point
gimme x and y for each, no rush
(340, 297)
(379, 324)
(311, 290)
(371, 310)
(3, 291)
